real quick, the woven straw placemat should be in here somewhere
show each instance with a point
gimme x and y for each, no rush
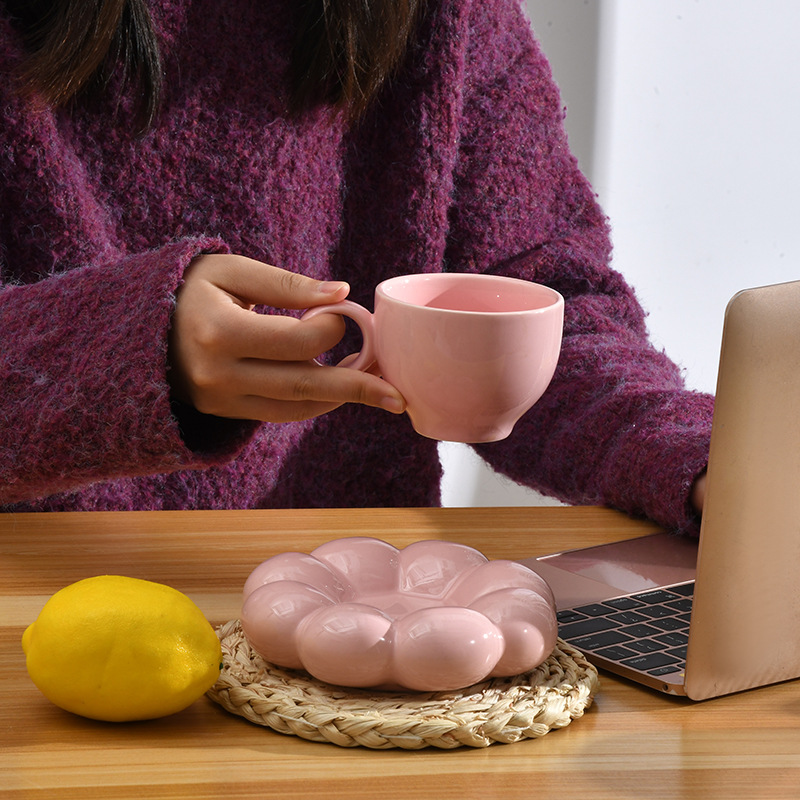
(496, 710)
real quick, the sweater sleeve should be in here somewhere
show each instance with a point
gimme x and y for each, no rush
(617, 425)
(84, 321)
(83, 377)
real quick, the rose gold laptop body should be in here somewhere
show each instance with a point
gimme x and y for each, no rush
(744, 623)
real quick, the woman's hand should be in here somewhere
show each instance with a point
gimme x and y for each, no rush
(226, 360)
(698, 497)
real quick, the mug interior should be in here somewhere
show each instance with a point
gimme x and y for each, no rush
(467, 292)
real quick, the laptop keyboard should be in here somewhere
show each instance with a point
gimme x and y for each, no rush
(647, 631)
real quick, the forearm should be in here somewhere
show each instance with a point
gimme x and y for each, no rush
(616, 425)
(83, 370)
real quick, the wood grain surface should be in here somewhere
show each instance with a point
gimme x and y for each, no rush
(632, 743)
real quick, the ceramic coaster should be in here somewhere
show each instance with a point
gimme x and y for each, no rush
(497, 710)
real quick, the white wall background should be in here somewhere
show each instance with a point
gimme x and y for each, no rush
(685, 114)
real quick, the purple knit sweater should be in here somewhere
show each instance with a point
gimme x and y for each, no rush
(462, 166)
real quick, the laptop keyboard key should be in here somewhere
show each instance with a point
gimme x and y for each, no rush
(647, 645)
(658, 611)
(668, 670)
(597, 640)
(568, 616)
(592, 610)
(673, 639)
(656, 596)
(622, 603)
(670, 624)
(628, 617)
(585, 627)
(615, 653)
(641, 631)
(651, 661)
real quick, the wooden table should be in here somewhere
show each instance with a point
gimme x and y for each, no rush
(631, 744)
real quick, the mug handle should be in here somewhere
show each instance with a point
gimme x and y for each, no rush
(363, 318)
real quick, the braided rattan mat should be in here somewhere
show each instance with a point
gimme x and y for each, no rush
(497, 710)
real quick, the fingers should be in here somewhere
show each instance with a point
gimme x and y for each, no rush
(282, 392)
(254, 283)
(228, 361)
(266, 336)
(230, 327)
(698, 494)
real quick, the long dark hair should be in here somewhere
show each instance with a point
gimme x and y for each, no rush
(344, 50)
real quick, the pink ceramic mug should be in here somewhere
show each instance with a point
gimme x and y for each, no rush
(470, 353)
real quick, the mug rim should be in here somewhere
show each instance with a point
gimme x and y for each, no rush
(556, 298)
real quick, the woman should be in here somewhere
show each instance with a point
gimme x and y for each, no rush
(168, 166)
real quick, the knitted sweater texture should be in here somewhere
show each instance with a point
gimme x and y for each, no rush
(463, 165)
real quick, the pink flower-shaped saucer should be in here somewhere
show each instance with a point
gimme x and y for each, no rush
(435, 616)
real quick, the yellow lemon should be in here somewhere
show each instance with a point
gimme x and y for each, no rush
(117, 649)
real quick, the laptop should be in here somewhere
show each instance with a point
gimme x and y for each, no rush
(720, 614)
